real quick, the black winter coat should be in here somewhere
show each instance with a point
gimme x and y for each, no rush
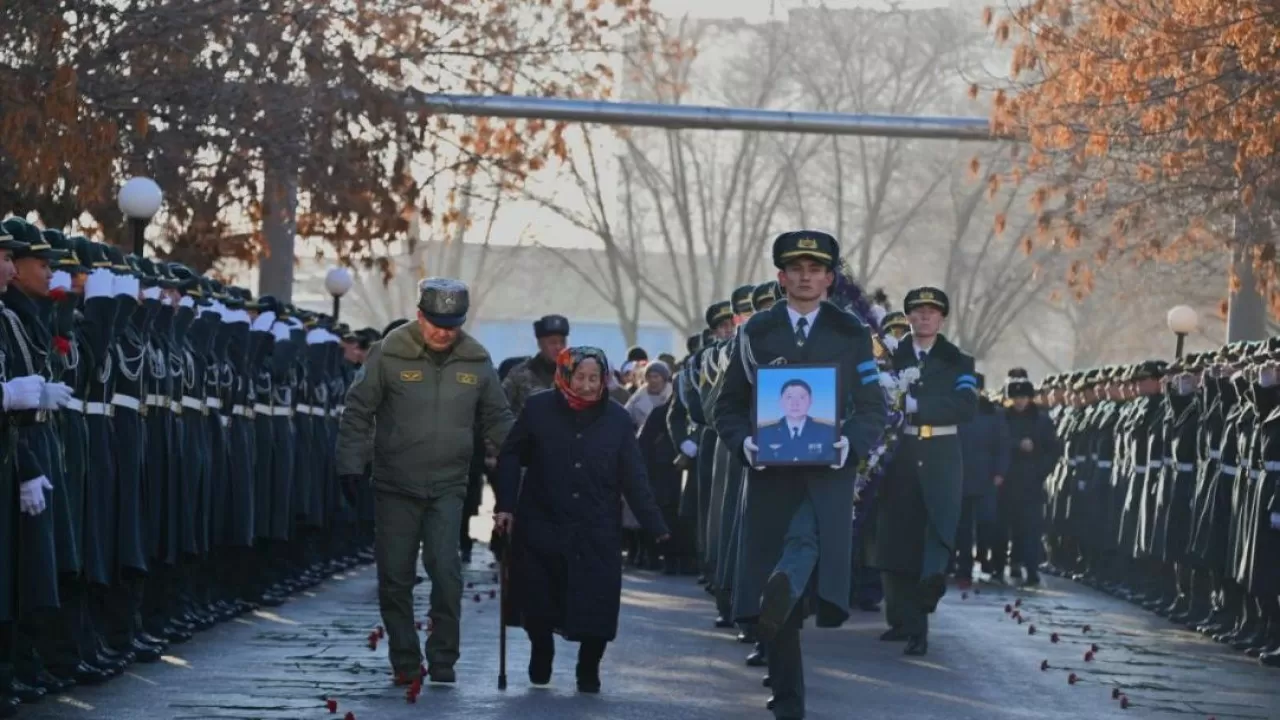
(985, 446)
(566, 548)
(659, 457)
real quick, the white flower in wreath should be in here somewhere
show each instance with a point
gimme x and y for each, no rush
(907, 378)
(888, 381)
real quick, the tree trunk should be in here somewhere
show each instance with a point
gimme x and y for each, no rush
(1246, 314)
(279, 223)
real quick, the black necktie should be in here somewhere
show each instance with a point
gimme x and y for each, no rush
(801, 324)
(795, 433)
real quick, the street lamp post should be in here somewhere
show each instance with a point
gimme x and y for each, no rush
(140, 199)
(1182, 320)
(337, 282)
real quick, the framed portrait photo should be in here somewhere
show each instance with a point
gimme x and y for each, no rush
(796, 412)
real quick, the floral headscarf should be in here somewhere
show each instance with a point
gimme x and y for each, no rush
(567, 363)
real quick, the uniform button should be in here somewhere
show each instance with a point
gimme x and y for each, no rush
(920, 464)
(575, 496)
(577, 465)
(579, 436)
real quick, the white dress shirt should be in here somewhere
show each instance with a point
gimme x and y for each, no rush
(809, 317)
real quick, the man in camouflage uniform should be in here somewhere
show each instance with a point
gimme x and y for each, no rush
(538, 372)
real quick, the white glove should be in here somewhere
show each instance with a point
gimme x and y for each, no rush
(31, 496)
(98, 284)
(1267, 376)
(54, 395)
(689, 448)
(280, 331)
(910, 405)
(1275, 521)
(186, 301)
(60, 281)
(264, 321)
(151, 293)
(23, 393)
(315, 336)
(749, 449)
(1081, 485)
(843, 446)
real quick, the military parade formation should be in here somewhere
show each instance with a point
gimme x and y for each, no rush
(169, 445)
(1165, 492)
(180, 453)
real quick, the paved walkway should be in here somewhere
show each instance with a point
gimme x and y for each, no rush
(669, 662)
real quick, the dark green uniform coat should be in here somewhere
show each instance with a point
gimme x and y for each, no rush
(421, 414)
(773, 495)
(920, 497)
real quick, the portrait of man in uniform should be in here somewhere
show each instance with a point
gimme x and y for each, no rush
(795, 415)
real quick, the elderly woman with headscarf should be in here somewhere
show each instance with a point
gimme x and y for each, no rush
(580, 459)
(655, 391)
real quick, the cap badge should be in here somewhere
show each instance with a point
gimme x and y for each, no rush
(807, 244)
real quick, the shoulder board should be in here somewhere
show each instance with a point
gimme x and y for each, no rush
(944, 348)
(761, 323)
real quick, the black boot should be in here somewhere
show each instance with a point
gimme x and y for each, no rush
(541, 657)
(589, 654)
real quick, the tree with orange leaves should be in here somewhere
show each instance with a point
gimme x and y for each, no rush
(208, 97)
(1154, 122)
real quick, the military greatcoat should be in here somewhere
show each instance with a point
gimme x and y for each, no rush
(920, 498)
(773, 495)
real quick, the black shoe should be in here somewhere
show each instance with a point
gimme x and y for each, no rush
(177, 636)
(442, 674)
(271, 601)
(894, 635)
(113, 666)
(9, 706)
(588, 678)
(540, 662)
(766, 681)
(50, 684)
(722, 622)
(748, 635)
(466, 556)
(83, 674)
(868, 606)
(27, 694)
(1271, 659)
(768, 704)
(152, 640)
(144, 653)
(775, 606)
(917, 645)
(757, 659)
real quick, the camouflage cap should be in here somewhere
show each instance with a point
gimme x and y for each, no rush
(444, 301)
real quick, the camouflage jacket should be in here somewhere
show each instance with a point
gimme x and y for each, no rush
(527, 378)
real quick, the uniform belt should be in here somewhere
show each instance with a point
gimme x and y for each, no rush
(340, 409)
(98, 408)
(1155, 464)
(1104, 464)
(282, 411)
(924, 432)
(318, 411)
(1229, 469)
(194, 403)
(128, 401)
(242, 410)
(213, 402)
(1271, 465)
(76, 405)
(1140, 468)
(1215, 454)
(305, 409)
(1254, 474)
(1185, 467)
(175, 406)
(262, 408)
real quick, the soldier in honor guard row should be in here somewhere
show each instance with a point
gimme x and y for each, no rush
(796, 528)
(920, 501)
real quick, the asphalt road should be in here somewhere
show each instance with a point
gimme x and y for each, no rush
(669, 662)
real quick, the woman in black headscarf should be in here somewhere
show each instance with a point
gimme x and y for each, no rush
(580, 458)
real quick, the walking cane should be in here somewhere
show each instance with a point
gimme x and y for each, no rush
(502, 618)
